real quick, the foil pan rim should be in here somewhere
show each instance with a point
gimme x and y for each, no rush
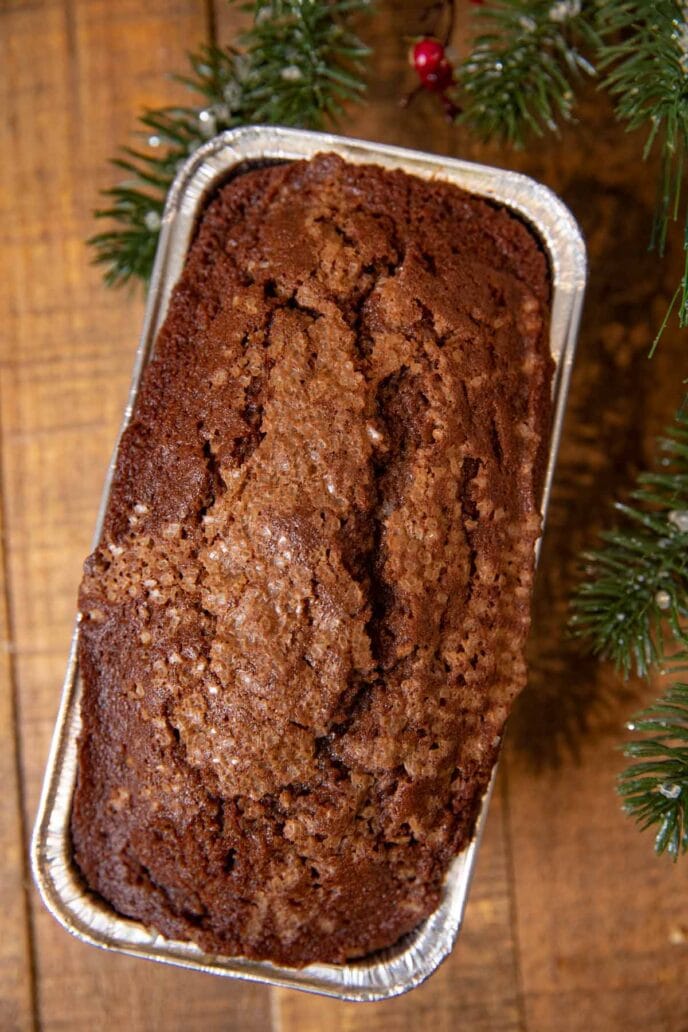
(408, 963)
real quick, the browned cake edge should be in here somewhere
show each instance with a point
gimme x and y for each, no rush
(417, 318)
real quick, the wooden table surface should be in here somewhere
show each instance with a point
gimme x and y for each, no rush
(572, 923)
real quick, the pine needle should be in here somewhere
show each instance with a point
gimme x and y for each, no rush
(645, 57)
(634, 601)
(655, 788)
(525, 62)
(298, 65)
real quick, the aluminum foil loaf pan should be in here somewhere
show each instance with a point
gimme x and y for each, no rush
(405, 965)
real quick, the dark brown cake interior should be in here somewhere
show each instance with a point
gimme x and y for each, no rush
(304, 625)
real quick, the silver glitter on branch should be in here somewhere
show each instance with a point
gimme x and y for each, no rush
(519, 77)
(678, 518)
(564, 10)
(645, 56)
(681, 36)
(300, 64)
(633, 609)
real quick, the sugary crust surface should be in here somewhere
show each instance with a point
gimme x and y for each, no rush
(304, 625)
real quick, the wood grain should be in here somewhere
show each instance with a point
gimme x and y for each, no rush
(75, 75)
(16, 961)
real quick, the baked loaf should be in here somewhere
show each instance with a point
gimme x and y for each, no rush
(304, 625)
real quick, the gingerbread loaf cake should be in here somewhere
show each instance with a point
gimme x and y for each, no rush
(304, 625)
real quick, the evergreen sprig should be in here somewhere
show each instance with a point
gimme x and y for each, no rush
(523, 66)
(655, 788)
(645, 54)
(529, 56)
(299, 63)
(632, 604)
(169, 135)
(304, 62)
(637, 584)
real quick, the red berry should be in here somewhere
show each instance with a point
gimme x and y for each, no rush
(426, 57)
(441, 78)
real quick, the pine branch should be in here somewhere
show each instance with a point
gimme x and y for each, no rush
(304, 62)
(529, 56)
(634, 601)
(637, 584)
(647, 77)
(525, 62)
(170, 134)
(655, 789)
(299, 65)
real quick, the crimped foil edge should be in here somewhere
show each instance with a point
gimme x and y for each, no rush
(405, 965)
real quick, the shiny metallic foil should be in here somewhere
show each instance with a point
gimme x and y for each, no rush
(413, 959)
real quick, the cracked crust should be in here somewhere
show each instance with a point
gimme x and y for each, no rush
(304, 624)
